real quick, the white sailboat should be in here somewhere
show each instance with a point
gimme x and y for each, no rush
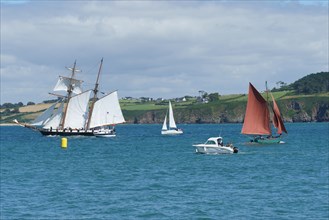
(173, 130)
(79, 116)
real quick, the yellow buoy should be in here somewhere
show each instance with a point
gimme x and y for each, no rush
(64, 142)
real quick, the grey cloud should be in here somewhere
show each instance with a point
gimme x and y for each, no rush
(160, 49)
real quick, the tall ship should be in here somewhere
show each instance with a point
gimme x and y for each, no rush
(257, 119)
(79, 112)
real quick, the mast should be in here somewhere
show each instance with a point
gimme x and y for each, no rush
(95, 94)
(268, 104)
(266, 91)
(69, 94)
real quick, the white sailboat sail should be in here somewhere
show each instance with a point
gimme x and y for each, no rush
(64, 82)
(107, 111)
(45, 116)
(172, 123)
(164, 126)
(77, 111)
(55, 120)
(173, 130)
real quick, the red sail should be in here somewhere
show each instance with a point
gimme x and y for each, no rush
(277, 120)
(257, 118)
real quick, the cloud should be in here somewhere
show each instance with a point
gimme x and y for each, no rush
(160, 49)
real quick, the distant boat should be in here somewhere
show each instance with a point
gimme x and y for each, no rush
(215, 145)
(173, 130)
(257, 119)
(79, 116)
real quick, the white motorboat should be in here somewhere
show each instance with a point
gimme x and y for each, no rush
(173, 130)
(215, 145)
(105, 132)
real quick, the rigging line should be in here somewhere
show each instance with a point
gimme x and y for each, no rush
(95, 67)
(92, 68)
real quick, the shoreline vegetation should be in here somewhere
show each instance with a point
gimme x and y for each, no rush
(194, 110)
(306, 100)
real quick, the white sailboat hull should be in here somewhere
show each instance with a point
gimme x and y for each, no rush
(172, 132)
(104, 133)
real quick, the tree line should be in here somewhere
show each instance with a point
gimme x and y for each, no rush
(20, 104)
(310, 84)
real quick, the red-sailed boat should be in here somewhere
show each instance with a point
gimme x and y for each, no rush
(257, 119)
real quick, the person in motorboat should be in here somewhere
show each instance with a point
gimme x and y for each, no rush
(220, 142)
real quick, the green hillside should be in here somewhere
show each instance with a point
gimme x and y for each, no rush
(310, 84)
(305, 100)
(231, 109)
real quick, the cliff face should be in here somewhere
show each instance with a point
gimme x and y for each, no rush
(291, 110)
(306, 108)
(317, 113)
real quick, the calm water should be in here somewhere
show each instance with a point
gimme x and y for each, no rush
(142, 175)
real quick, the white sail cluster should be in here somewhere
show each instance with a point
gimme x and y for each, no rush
(173, 130)
(106, 110)
(172, 123)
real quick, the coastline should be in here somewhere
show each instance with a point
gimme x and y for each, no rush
(9, 124)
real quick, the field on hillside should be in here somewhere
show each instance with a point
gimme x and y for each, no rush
(229, 104)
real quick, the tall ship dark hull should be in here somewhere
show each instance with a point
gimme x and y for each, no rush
(96, 133)
(66, 133)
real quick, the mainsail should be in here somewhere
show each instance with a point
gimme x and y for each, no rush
(257, 118)
(172, 123)
(106, 111)
(77, 111)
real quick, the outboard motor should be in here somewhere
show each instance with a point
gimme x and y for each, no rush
(235, 150)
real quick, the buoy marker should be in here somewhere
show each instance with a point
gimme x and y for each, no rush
(64, 143)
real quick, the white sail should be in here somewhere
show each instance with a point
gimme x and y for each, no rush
(45, 116)
(107, 111)
(64, 82)
(77, 111)
(172, 123)
(55, 120)
(164, 126)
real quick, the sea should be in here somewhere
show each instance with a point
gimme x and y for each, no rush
(141, 174)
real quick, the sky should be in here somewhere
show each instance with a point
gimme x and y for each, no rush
(159, 49)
